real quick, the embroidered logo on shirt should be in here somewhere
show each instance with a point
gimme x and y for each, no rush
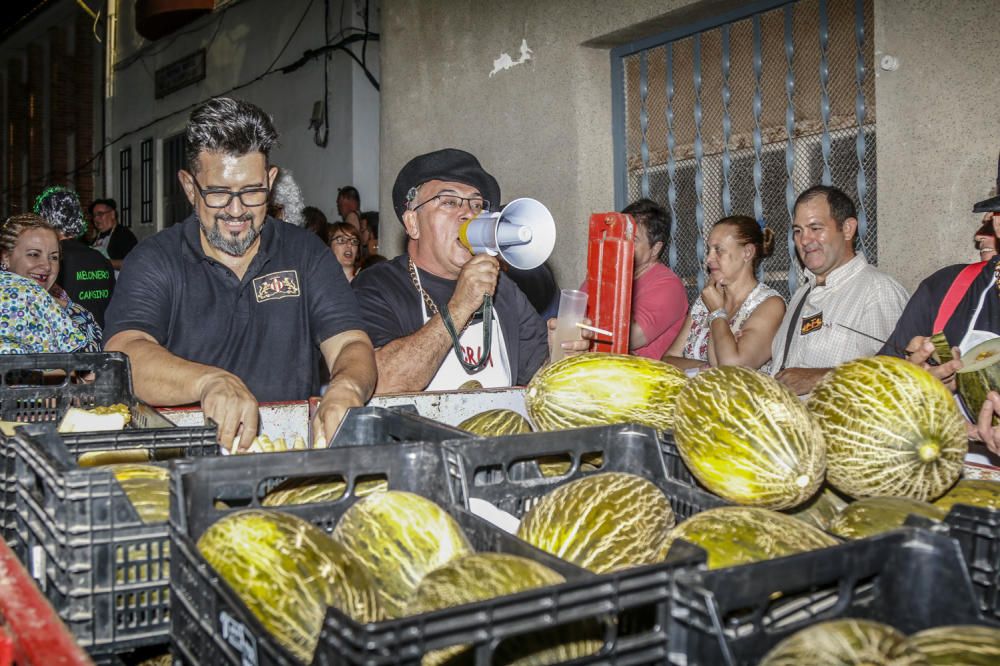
(811, 323)
(283, 284)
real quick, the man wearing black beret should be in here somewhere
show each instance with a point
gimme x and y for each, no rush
(425, 310)
(963, 302)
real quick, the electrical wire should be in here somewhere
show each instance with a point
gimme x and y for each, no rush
(97, 19)
(321, 142)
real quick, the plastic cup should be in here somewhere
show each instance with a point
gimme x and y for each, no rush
(572, 310)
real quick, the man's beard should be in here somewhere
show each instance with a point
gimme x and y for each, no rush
(230, 243)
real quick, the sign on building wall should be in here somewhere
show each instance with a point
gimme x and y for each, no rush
(180, 73)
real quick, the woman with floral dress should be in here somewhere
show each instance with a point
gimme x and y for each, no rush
(36, 316)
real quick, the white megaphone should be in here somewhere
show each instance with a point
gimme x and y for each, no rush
(523, 233)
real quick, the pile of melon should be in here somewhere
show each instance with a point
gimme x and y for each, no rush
(868, 643)
(878, 430)
(392, 554)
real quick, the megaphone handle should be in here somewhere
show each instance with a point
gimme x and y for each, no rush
(487, 314)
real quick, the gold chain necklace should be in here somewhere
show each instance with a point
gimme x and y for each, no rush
(431, 307)
(486, 312)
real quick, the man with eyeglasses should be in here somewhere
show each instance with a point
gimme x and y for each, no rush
(232, 307)
(439, 317)
(113, 240)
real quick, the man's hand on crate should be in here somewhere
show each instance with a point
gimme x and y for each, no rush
(226, 400)
(351, 360)
(331, 411)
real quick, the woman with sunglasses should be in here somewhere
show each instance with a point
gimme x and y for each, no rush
(345, 241)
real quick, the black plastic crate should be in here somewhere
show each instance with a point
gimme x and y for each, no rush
(211, 626)
(102, 568)
(388, 425)
(503, 472)
(977, 531)
(676, 469)
(909, 578)
(27, 397)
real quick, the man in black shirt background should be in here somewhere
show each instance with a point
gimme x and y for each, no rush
(113, 239)
(85, 274)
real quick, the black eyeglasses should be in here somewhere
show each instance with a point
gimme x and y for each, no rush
(453, 202)
(344, 240)
(251, 197)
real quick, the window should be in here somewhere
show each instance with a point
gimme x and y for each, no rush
(175, 204)
(739, 118)
(146, 182)
(125, 187)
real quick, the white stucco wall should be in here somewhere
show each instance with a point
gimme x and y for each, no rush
(243, 46)
(544, 127)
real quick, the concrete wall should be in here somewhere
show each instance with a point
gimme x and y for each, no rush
(544, 127)
(938, 130)
(240, 48)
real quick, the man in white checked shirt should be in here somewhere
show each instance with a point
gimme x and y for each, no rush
(846, 309)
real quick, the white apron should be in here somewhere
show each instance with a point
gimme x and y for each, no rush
(972, 335)
(451, 374)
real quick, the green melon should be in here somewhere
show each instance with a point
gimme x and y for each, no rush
(147, 488)
(979, 375)
(558, 465)
(874, 515)
(603, 522)
(399, 538)
(482, 576)
(287, 572)
(733, 535)
(601, 389)
(891, 429)
(820, 510)
(748, 439)
(972, 492)
(310, 490)
(959, 645)
(846, 642)
(496, 423)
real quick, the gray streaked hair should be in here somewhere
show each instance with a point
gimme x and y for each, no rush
(286, 193)
(228, 126)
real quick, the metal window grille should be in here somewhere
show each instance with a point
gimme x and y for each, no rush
(125, 186)
(175, 204)
(740, 115)
(146, 181)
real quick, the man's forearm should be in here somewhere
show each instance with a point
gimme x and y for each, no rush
(408, 364)
(158, 376)
(354, 370)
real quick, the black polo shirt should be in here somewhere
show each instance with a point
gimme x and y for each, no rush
(922, 308)
(265, 329)
(87, 277)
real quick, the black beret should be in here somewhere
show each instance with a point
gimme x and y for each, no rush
(987, 206)
(449, 164)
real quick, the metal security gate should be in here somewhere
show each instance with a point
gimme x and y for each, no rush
(740, 115)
